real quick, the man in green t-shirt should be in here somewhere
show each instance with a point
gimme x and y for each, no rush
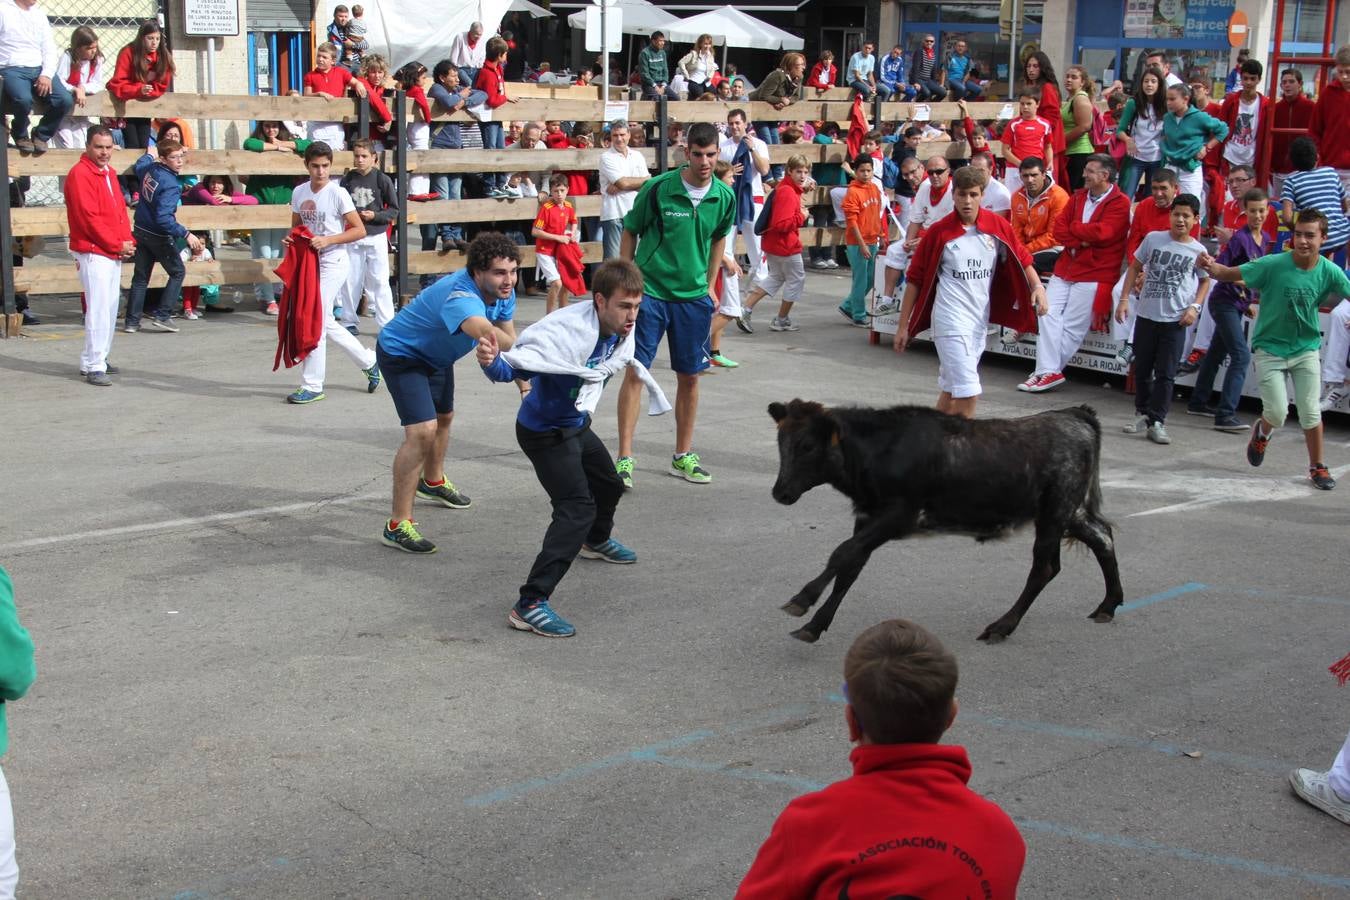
(676, 232)
(1288, 336)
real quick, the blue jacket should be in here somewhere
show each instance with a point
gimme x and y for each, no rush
(160, 194)
(892, 70)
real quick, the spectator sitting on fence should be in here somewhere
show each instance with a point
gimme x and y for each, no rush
(143, 71)
(271, 190)
(28, 59)
(925, 72)
(962, 76)
(81, 70)
(355, 47)
(654, 70)
(374, 72)
(469, 52)
(891, 75)
(337, 36)
(823, 74)
(450, 95)
(698, 66)
(329, 81)
(862, 73)
(411, 80)
(217, 190)
(492, 82)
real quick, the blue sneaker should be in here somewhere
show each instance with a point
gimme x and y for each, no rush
(372, 378)
(610, 551)
(540, 618)
(304, 396)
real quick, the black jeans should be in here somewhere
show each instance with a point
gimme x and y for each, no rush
(154, 248)
(1157, 351)
(578, 474)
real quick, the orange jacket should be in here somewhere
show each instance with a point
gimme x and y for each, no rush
(862, 206)
(1033, 221)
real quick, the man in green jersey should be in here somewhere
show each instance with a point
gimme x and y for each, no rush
(675, 232)
(1288, 336)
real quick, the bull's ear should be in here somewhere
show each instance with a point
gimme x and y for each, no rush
(778, 411)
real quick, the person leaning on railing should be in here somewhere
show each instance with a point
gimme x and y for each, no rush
(143, 71)
(271, 190)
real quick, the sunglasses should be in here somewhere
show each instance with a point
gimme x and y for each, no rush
(938, 171)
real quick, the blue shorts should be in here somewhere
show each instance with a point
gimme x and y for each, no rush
(420, 391)
(685, 325)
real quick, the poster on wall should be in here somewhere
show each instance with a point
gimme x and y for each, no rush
(1191, 20)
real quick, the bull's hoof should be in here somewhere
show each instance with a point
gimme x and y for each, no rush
(994, 634)
(1102, 617)
(805, 636)
(795, 609)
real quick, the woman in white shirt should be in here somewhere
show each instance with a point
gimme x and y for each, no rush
(698, 65)
(1140, 127)
(81, 71)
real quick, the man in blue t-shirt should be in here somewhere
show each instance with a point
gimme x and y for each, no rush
(961, 80)
(420, 346)
(572, 463)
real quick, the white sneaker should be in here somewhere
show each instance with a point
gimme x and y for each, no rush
(886, 306)
(1316, 789)
(821, 264)
(782, 323)
(1137, 425)
(1157, 433)
(1011, 337)
(832, 263)
(1333, 394)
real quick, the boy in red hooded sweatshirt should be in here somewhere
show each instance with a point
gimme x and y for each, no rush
(1329, 118)
(782, 245)
(100, 239)
(492, 81)
(905, 824)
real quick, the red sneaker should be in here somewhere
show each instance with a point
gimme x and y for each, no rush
(1031, 383)
(1046, 382)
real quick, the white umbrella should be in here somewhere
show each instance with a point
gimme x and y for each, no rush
(639, 17)
(526, 6)
(732, 28)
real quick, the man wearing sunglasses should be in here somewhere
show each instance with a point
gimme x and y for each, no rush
(932, 201)
(927, 72)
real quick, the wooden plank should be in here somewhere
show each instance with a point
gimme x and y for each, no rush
(456, 161)
(181, 105)
(520, 210)
(199, 162)
(51, 220)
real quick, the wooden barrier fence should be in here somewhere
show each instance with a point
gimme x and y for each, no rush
(536, 102)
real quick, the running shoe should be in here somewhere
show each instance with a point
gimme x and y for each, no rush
(407, 538)
(686, 466)
(353, 330)
(1315, 788)
(1256, 447)
(302, 396)
(1230, 424)
(1205, 410)
(98, 379)
(163, 325)
(624, 466)
(540, 618)
(1030, 384)
(444, 493)
(845, 313)
(610, 551)
(820, 264)
(1332, 395)
(717, 359)
(372, 378)
(1191, 363)
(1047, 382)
(743, 322)
(886, 307)
(1321, 478)
(1157, 433)
(832, 263)
(191, 315)
(783, 323)
(1136, 425)
(1126, 353)
(131, 329)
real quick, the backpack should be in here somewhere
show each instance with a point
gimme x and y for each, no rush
(1099, 133)
(765, 215)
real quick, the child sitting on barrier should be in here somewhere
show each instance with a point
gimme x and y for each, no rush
(329, 81)
(905, 823)
(218, 190)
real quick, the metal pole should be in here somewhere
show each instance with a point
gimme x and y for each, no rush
(604, 51)
(363, 116)
(401, 172)
(1012, 51)
(6, 235)
(211, 88)
(662, 139)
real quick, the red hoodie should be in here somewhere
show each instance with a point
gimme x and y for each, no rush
(491, 82)
(1328, 126)
(1011, 308)
(95, 211)
(782, 237)
(1093, 250)
(905, 824)
(301, 318)
(124, 85)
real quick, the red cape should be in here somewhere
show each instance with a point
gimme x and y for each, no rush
(857, 128)
(1009, 294)
(300, 319)
(570, 267)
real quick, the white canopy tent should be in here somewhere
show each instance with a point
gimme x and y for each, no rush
(404, 31)
(525, 6)
(732, 28)
(639, 17)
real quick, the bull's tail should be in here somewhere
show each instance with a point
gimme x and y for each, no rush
(1093, 502)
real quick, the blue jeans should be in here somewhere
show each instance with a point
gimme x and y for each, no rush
(651, 93)
(929, 89)
(865, 89)
(449, 187)
(493, 139)
(769, 134)
(467, 76)
(611, 233)
(154, 248)
(1131, 170)
(964, 90)
(265, 243)
(1231, 342)
(898, 91)
(18, 100)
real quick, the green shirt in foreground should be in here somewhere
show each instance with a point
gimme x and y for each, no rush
(675, 237)
(1287, 323)
(16, 655)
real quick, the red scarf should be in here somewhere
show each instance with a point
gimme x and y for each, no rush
(74, 78)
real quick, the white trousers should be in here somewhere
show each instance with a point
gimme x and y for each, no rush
(368, 262)
(1339, 776)
(752, 248)
(1062, 328)
(1191, 183)
(1123, 331)
(9, 868)
(101, 279)
(70, 134)
(837, 201)
(1338, 344)
(333, 270)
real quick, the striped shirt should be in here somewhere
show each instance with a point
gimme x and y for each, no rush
(1320, 189)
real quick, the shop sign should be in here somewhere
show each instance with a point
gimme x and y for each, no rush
(1191, 20)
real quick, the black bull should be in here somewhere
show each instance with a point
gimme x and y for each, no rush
(911, 470)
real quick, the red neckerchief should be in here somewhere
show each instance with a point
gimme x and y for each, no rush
(74, 79)
(930, 54)
(471, 43)
(934, 199)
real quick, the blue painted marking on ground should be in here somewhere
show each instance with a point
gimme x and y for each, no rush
(742, 773)
(1255, 866)
(1276, 595)
(1170, 594)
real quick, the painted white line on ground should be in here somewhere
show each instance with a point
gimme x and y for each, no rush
(1207, 490)
(172, 524)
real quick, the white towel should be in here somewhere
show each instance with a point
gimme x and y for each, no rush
(561, 343)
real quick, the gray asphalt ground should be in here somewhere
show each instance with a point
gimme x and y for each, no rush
(243, 694)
